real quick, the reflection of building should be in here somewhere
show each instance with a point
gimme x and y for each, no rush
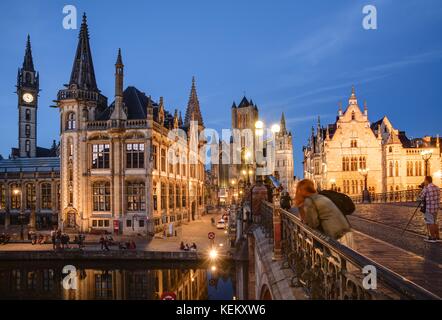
(118, 167)
(29, 180)
(94, 284)
(336, 153)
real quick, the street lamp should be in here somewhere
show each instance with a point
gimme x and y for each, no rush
(21, 216)
(365, 193)
(276, 128)
(426, 156)
(233, 183)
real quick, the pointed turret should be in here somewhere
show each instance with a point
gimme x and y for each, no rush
(175, 119)
(180, 120)
(161, 112)
(28, 63)
(83, 74)
(119, 112)
(193, 112)
(340, 108)
(353, 100)
(365, 108)
(233, 105)
(119, 75)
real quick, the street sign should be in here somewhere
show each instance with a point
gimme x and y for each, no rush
(168, 296)
(211, 235)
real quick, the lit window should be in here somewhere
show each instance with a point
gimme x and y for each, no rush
(100, 156)
(101, 196)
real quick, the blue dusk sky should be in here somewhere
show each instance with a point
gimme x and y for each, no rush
(300, 57)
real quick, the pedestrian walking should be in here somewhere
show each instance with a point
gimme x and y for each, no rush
(430, 196)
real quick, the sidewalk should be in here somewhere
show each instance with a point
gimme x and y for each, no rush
(195, 231)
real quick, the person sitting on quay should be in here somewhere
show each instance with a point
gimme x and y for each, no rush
(193, 247)
(182, 245)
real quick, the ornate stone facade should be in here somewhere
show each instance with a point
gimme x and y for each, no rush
(335, 154)
(121, 166)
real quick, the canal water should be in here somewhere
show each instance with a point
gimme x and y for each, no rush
(128, 280)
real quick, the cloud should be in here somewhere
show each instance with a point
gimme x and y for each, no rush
(406, 61)
(307, 118)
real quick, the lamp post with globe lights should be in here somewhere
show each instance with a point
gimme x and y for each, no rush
(21, 216)
(426, 156)
(365, 194)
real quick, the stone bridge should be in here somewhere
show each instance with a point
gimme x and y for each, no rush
(288, 260)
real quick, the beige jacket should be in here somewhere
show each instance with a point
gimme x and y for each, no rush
(322, 214)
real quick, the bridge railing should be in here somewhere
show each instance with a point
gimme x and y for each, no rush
(329, 270)
(393, 196)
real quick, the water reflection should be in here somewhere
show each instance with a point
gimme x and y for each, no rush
(116, 281)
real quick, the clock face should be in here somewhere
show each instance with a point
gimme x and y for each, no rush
(27, 97)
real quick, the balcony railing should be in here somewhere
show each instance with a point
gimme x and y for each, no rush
(330, 270)
(81, 95)
(110, 124)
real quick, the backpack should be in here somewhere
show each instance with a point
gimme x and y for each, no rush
(342, 201)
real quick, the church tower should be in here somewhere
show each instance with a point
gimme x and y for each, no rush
(284, 157)
(193, 111)
(27, 92)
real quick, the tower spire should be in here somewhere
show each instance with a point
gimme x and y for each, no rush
(193, 112)
(283, 125)
(28, 63)
(83, 74)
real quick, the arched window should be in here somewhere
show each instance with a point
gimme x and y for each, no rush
(418, 169)
(46, 196)
(171, 196)
(177, 195)
(163, 196)
(397, 169)
(101, 196)
(14, 192)
(28, 146)
(391, 169)
(70, 122)
(30, 196)
(136, 197)
(353, 115)
(28, 115)
(2, 197)
(183, 196)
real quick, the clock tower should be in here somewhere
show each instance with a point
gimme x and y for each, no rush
(27, 92)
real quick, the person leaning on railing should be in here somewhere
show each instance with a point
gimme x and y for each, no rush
(321, 214)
